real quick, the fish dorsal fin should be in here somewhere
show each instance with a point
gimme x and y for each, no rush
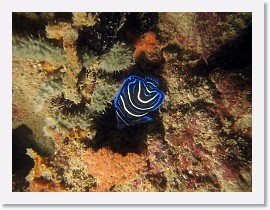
(152, 81)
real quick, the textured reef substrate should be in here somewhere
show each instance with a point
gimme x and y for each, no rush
(68, 67)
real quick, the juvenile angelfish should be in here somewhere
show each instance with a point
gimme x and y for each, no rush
(136, 98)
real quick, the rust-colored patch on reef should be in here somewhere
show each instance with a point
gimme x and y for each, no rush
(38, 182)
(41, 185)
(112, 168)
(18, 113)
(147, 43)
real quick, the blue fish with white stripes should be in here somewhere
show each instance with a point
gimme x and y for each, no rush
(136, 98)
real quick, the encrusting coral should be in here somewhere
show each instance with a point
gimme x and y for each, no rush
(110, 168)
(64, 83)
(24, 100)
(69, 35)
(147, 43)
(39, 50)
(119, 58)
(51, 87)
(83, 19)
(201, 34)
(41, 178)
(89, 60)
(103, 95)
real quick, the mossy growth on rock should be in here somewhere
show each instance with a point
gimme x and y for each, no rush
(88, 60)
(119, 58)
(59, 122)
(50, 87)
(39, 50)
(103, 95)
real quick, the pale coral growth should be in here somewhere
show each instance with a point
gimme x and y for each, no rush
(112, 168)
(89, 60)
(50, 68)
(87, 89)
(69, 35)
(184, 21)
(39, 50)
(79, 125)
(103, 95)
(24, 91)
(81, 19)
(119, 58)
(59, 31)
(49, 88)
(180, 95)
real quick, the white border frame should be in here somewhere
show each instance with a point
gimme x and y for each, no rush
(257, 195)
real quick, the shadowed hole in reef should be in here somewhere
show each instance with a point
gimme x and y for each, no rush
(22, 138)
(34, 23)
(141, 22)
(127, 140)
(116, 26)
(234, 55)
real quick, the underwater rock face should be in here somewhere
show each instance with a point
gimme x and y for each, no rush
(67, 101)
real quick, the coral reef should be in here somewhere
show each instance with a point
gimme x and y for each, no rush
(103, 95)
(118, 59)
(111, 168)
(66, 75)
(24, 101)
(83, 19)
(36, 177)
(89, 60)
(69, 35)
(104, 33)
(39, 50)
(201, 34)
(234, 103)
(147, 43)
(49, 88)
(70, 167)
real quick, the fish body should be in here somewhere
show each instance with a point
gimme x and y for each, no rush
(136, 98)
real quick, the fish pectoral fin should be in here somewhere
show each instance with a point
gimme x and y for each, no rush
(145, 119)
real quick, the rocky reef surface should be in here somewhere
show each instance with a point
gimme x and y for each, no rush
(68, 67)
